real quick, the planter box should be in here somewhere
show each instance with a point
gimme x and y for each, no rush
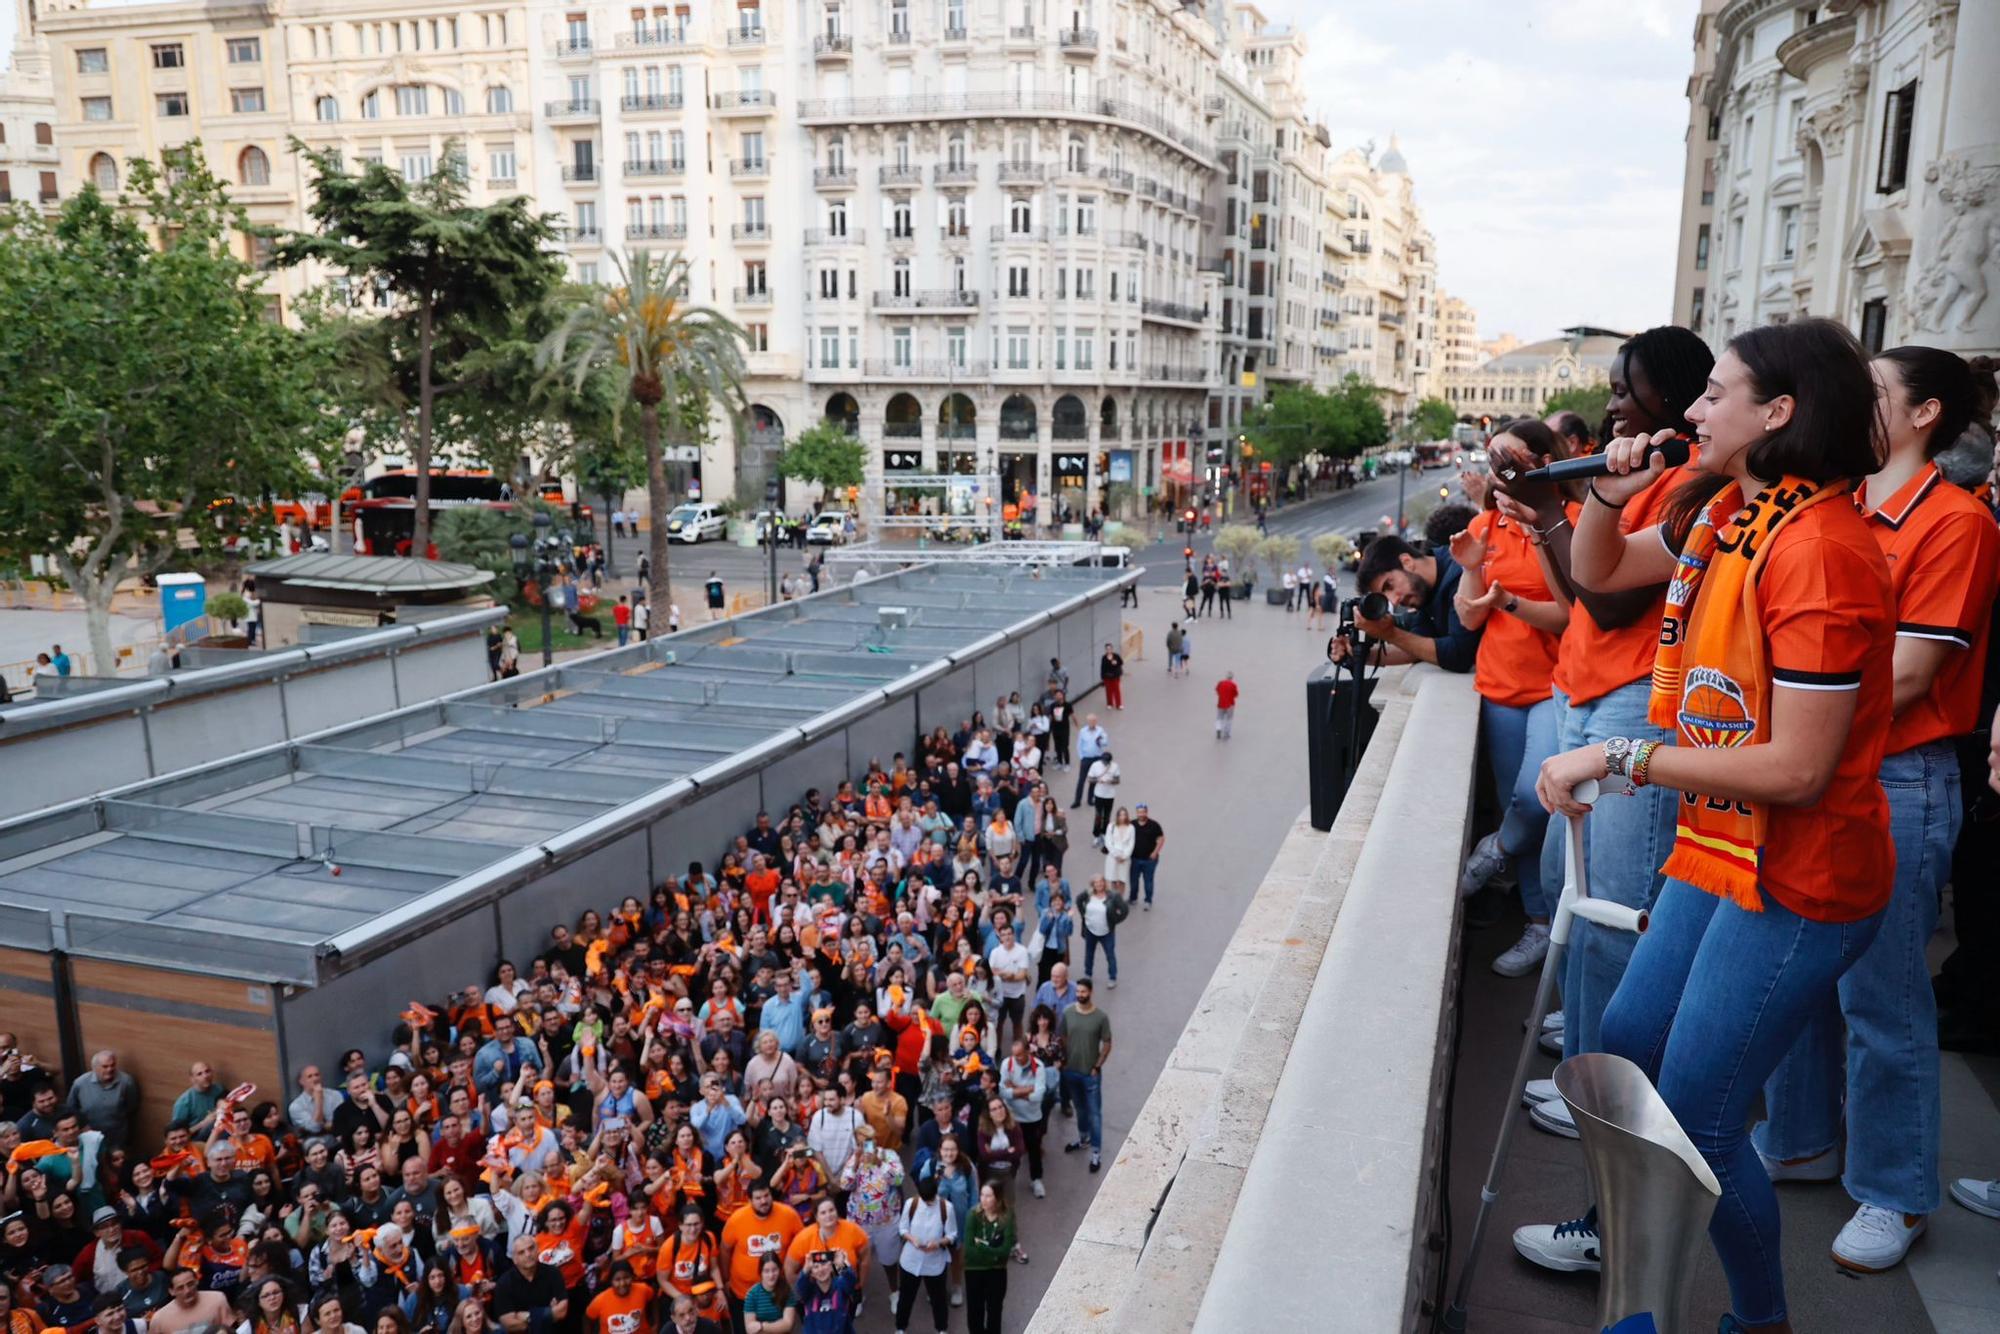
(1241, 589)
(1274, 597)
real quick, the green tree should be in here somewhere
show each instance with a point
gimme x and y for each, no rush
(483, 538)
(1433, 420)
(825, 453)
(662, 348)
(1587, 401)
(609, 458)
(1361, 425)
(452, 270)
(146, 387)
(1293, 423)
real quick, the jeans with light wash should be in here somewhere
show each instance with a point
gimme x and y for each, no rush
(1108, 942)
(1517, 741)
(1888, 1014)
(1143, 871)
(1085, 1092)
(1712, 1000)
(1627, 839)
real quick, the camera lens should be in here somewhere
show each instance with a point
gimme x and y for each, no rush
(1375, 606)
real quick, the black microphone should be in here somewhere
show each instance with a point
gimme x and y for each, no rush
(1674, 451)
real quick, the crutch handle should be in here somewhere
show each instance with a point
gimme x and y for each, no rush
(1615, 916)
(1586, 792)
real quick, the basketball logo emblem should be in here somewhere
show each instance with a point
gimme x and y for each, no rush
(1712, 710)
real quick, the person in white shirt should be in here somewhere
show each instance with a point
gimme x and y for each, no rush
(1291, 590)
(929, 1228)
(642, 618)
(980, 753)
(831, 1134)
(1104, 776)
(1091, 743)
(1118, 843)
(1012, 971)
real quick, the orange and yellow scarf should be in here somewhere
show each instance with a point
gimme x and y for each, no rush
(1711, 682)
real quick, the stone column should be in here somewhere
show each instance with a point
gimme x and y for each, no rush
(1955, 269)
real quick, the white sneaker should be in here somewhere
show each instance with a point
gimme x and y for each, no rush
(1039, 1191)
(1538, 1091)
(958, 1296)
(1485, 861)
(1555, 1117)
(1567, 1248)
(1982, 1197)
(1876, 1239)
(1819, 1167)
(1552, 1022)
(1551, 1041)
(1527, 953)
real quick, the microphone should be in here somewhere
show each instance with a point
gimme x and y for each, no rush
(1674, 451)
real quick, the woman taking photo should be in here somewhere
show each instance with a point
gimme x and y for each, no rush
(1942, 548)
(990, 1243)
(1503, 592)
(1775, 668)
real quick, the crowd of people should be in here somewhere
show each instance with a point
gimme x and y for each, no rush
(1777, 659)
(814, 1073)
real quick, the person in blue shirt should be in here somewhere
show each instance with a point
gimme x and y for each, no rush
(716, 1116)
(826, 1295)
(499, 1063)
(1421, 585)
(786, 1013)
(59, 659)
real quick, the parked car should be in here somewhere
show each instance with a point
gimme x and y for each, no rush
(828, 528)
(760, 524)
(695, 523)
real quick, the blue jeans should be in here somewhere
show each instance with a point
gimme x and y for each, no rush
(1142, 875)
(1517, 741)
(1888, 1014)
(1085, 1092)
(1109, 940)
(1626, 841)
(1711, 1001)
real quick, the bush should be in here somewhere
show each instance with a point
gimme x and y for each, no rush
(1281, 552)
(1332, 550)
(1238, 541)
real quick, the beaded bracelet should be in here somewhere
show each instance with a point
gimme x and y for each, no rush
(1641, 761)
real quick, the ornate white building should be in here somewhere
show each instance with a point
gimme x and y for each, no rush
(28, 172)
(1856, 171)
(1521, 380)
(1388, 292)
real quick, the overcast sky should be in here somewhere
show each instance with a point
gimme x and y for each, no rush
(1544, 138)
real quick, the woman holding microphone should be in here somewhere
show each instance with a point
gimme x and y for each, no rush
(1775, 671)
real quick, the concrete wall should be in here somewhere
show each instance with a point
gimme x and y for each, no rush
(1311, 1069)
(143, 729)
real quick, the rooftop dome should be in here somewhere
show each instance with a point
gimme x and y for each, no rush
(1392, 159)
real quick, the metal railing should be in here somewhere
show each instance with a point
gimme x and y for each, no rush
(1003, 101)
(747, 296)
(1003, 232)
(899, 175)
(652, 102)
(750, 231)
(827, 236)
(1021, 173)
(902, 430)
(1128, 239)
(573, 108)
(752, 166)
(585, 235)
(657, 167)
(571, 47)
(580, 171)
(962, 174)
(646, 38)
(1116, 178)
(1175, 374)
(890, 369)
(746, 99)
(1021, 32)
(658, 231)
(1079, 39)
(943, 298)
(1173, 310)
(833, 45)
(837, 178)
(746, 37)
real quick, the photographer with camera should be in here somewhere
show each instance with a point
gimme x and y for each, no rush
(1394, 574)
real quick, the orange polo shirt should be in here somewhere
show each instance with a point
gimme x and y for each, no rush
(1516, 660)
(1594, 661)
(1943, 549)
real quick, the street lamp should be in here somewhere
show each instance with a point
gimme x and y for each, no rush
(773, 492)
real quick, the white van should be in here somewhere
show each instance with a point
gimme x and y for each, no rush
(695, 523)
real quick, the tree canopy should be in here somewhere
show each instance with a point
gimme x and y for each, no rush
(151, 404)
(1588, 402)
(1433, 420)
(1299, 421)
(825, 453)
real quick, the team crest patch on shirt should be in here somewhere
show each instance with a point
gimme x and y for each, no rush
(1712, 711)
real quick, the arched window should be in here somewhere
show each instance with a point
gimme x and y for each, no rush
(1077, 157)
(844, 412)
(499, 100)
(954, 152)
(253, 167)
(957, 418)
(371, 105)
(454, 102)
(1017, 418)
(104, 173)
(327, 107)
(1107, 417)
(1067, 420)
(903, 419)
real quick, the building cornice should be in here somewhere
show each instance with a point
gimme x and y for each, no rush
(203, 13)
(1809, 48)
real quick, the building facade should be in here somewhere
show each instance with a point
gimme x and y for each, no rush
(1856, 171)
(29, 172)
(1520, 381)
(1458, 349)
(1388, 295)
(1696, 240)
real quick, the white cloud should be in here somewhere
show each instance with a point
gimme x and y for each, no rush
(1544, 138)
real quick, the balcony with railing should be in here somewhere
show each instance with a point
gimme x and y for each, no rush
(1051, 102)
(956, 33)
(740, 36)
(1212, 105)
(954, 232)
(898, 39)
(1081, 41)
(652, 37)
(1021, 32)
(574, 48)
(827, 236)
(584, 235)
(834, 178)
(656, 167)
(1392, 318)
(749, 168)
(890, 368)
(903, 430)
(578, 173)
(572, 110)
(899, 177)
(1003, 232)
(963, 173)
(1129, 240)
(833, 46)
(1173, 310)
(750, 231)
(744, 102)
(1175, 374)
(942, 298)
(639, 103)
(750, 296)
(1116, 178)
(1022, 173)
(656, 231)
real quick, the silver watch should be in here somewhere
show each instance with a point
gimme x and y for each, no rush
(1618, 756)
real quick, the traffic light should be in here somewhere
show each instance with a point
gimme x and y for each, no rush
(1187, 553)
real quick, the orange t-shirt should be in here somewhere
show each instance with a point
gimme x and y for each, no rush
(622, 1315)
(762, 885)
(1829, 624)
(1943, 550)
(1594, 661)
(1516, 660)
(847, 1238)
(748, 1239)
(564, 1251)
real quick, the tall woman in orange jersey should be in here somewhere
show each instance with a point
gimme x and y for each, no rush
(1503, 592)
(1943, 550)
(1775, 670)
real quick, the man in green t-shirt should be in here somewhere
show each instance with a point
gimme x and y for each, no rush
(1087, 1034)
(950, 1007)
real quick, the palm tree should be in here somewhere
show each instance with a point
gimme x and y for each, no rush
(644, 327)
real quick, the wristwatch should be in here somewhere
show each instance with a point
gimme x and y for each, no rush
(1513, 604)
(1618, 756)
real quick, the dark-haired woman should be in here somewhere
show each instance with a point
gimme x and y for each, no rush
(1603, 669)
(1776, 669)
(1943, 550)
(1503, 593)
